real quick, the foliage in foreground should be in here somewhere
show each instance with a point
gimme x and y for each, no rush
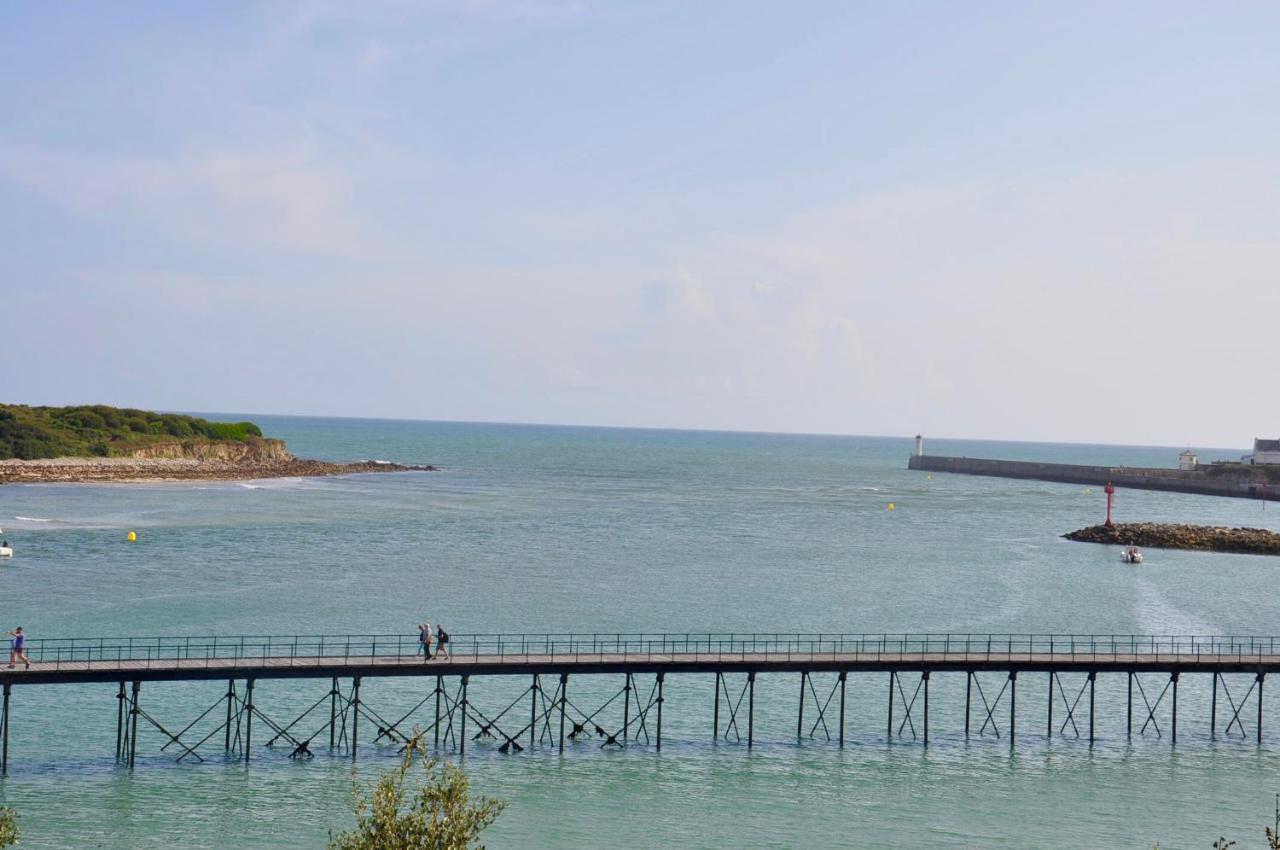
(32, 433)
(435, 812)
(9, 832)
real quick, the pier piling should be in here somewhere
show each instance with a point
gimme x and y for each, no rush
(462, 737)
(564, 698)
(1213, 709)
(355, 714)
(1261, 676)
(893, 677)
(4, 733)
(248, 721)
(133, 722)
(844, 675)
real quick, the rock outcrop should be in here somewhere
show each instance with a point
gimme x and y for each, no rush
(1255, 541)
(252, 450)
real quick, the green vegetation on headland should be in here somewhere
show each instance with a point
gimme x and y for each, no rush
(34, 433)
(1253, 541)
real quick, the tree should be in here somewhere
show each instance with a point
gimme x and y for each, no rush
(433, 813)
(9, 832)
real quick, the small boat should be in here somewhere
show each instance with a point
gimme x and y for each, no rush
(1131, 556)
(5, 550)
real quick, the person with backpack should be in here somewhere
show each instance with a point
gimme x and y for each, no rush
(442, 641)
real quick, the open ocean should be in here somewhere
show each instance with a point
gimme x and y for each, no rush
(550, 529)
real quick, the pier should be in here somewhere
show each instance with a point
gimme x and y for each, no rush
(1243, 482)
(644, 667)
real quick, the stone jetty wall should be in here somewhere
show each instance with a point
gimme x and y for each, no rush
(1253, 541)
(1215, 480)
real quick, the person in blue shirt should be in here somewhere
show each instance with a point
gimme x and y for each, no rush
(18, 648)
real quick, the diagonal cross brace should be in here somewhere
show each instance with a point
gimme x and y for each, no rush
(990, 707)
(822, 707)
(1237, 708)
(1151, 708)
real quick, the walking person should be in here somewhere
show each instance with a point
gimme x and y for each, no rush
(18, 648)
(424, 640)
(442, 641)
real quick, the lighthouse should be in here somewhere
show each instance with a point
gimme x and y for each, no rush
(919, 446)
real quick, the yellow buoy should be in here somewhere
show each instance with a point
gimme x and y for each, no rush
(891, 506)
(133, 535)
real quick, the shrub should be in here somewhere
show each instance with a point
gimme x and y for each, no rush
(436, 813)
(9, 832)
(232, 430)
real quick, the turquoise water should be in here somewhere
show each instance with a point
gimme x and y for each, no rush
(557, 529)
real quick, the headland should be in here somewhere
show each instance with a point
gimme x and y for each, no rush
(107, 444)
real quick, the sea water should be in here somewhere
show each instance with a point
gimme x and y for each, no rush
(545, 529)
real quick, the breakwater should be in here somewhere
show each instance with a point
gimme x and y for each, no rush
(1246, 482)
(1251, 541)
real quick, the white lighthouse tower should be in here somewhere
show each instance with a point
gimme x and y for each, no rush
(919, 446)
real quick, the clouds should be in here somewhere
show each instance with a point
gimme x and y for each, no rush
(219, 199)
(587, 213)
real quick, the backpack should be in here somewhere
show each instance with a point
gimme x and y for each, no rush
(444, 636)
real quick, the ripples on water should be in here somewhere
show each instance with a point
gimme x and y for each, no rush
(544, 529)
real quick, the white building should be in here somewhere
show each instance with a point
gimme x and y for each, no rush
(1188, 460)
(1265, 451)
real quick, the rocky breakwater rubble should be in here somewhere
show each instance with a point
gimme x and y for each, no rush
(230, 461)
(1255, 541)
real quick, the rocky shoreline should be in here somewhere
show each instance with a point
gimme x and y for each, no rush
(1252, 541)
(135, 470)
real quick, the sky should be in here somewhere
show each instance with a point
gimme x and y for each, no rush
(1055, 221)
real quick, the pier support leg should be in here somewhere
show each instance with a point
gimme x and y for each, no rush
(925, 676)
(844, 675)
(1092, 678)
(804, 678)
(439, 693)
(1129, 710)
(355, 714)
(4, 733)
(333, 712)
(1013, 706)
(661, 678)
(968, 686)
(120, 723)
(1261, 676)
(751, 708)
(1213, 709)
(626, 707)
(248, 721)
(715, 723)
(892, 678)
(1173, 738)
(133, 724)
(533, 710)
(564, 697)
(231, 699)
(1049, 725)
(462, 738)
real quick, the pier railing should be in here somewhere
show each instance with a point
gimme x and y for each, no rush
(301, 650)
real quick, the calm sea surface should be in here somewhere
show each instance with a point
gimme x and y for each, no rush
(537, 529)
